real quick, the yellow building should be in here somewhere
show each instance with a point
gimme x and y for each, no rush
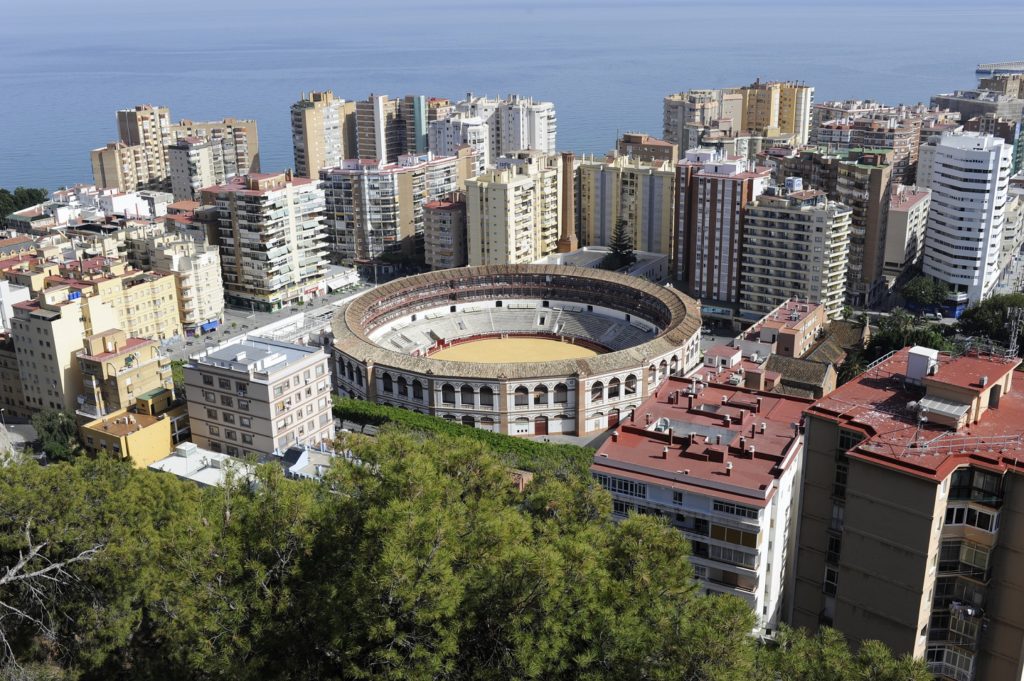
(139, 437)
(776, 108)
(116, 368)
(513, 213)
(643, 193)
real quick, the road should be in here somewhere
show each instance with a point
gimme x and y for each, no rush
(238, 321)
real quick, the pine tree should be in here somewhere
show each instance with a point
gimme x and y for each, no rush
(622, 253)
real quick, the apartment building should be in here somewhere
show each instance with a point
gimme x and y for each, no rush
(444, 232)
(47, 334)
(646, 148)
(796, 244)
(968, 175)
(323, 132)
(196, 268)
(971, 103)
(774, 108)
(146, 303)
(125, 167)
(714, 192)
(12, 396)
(259, 396)
(899, 132)
(117, 368)
(1012, 131)
(514, 123)
(447, 135)
(905, 230)
(832, 111)
(380, 132)
(139, 438)
(195, 163)
(149, 127)
(908, 529)
(722, 465)
(374, 207)
(272, 242)
(239, 139)
(859, 179)
(686, 115)
(513, 213)
(643, 193)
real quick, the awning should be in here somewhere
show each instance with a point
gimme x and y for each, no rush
(209, 326)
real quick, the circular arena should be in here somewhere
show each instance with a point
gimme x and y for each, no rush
(517, 349)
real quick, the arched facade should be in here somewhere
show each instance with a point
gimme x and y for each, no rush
(563, 396)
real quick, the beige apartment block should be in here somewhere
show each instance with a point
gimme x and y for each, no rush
(271, 239)
(124, 167)
(116, 369)
(259, 396)
(197, 271)
(795, 245)
(513, 213)
(910, 522)
(323, 132)
(905, 230)
(647, 148)
(778, 108)
(149, 127)
(643, 193)
(47, 333)
(373, 207)
(239, 140)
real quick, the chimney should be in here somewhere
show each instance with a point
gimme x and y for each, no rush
(728, 420)
(615, 436)
(763, 426)
(567, 241)
(728, 468)
(689, 402)
(758, 406)
(983, 381)
(753, 430)
(718, 439)
(725, 399)
(743, 443)
(664, 452)
(741, 416)
(671, 432)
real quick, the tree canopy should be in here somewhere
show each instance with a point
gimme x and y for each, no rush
(58, 434)
(421, 561)
(20, 198)
(925, 291)
(621, 253)
(895, 331)
(990, 318)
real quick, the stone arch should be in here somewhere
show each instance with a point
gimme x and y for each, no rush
(467, 396)
(630, 384)
(403, 386)
(486, 396)
(540, 394)
(673, 366)
(448, 393)
(522, 396)
(389, 383)
(561, 393)
(614, 388)
(417, 389)
(468, 420)
(596, 391)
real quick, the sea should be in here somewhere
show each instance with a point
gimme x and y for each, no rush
(66, 66)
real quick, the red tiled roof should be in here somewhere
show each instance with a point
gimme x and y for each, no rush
(709, 430)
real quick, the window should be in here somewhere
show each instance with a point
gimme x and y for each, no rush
(522, 396)
(848, 439)
(241, 388)
(966, 515)
(243, 405)
(735, 509)
(734, 556)
(211, 413)
(230, 434)
(467, 396)
(597, 391)
(245, 421)
(403, 386)
(622, 507)
(831, 583)
(839, 484)
(628, 488)
(232, 450)
(207, 379)
(677, 498)
(388, 383)
(631, 384)
(734, 536)
(614, 388)
(215, 430)
(278, 390)
(210, 397)
(448, 393)
(486, 397)
(540, 394)
(226, 400)
(835, 545)
(223, 384)
(229, 418)
(417, 390)
(246, 439)
(838, 510)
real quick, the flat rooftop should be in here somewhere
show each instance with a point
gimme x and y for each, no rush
(121, 425)
(705, 428)
(881, 403)
(255, 354)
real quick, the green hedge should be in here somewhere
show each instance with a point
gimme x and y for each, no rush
(519, 453)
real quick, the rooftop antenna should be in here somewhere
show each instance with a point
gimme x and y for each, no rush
(1015, 318)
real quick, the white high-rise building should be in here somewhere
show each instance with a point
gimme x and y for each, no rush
(445, 136)
(514, 123)
(969, 175)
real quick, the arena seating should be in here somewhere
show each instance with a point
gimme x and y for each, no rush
(568, 320)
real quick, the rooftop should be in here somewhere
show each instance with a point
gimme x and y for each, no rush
(254, 354)
(122, 424)
(127, 347)
(719, 441)
(201, 466)
(885, 404)
(905, 197)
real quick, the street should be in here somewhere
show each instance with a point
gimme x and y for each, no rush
(238, 321)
